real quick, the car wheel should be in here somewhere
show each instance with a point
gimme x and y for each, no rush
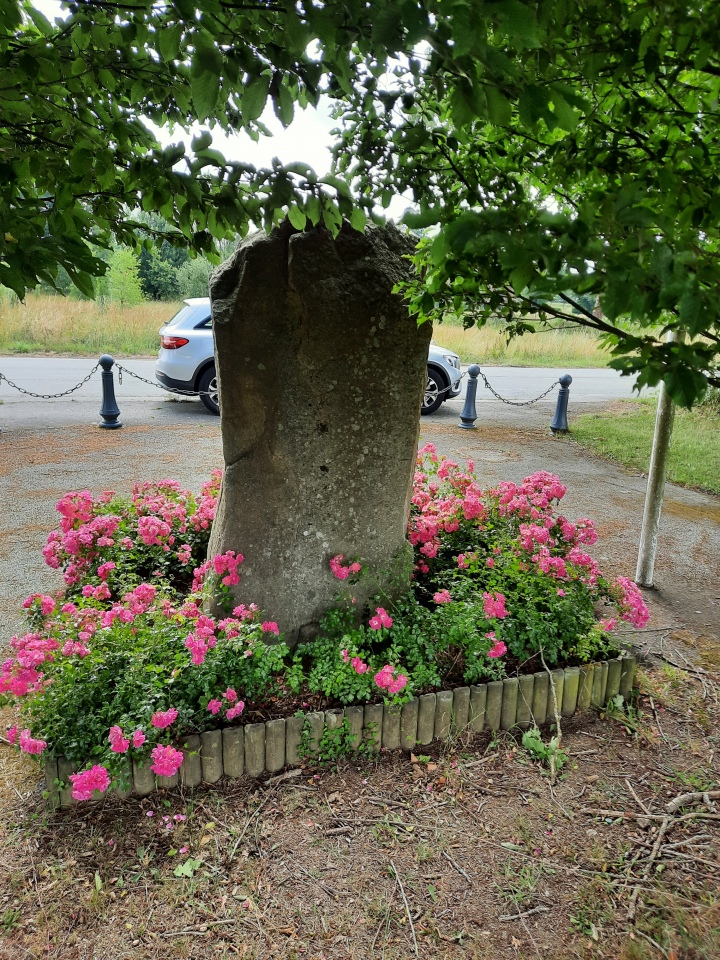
(208, 388)
(434, 393)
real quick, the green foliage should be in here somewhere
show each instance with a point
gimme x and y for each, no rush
(559, 147)
(193, 278)
(122, 282)
(133, 635)
(335, 744)
(549, 754)
(579, 171)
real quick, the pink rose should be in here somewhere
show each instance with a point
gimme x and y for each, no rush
(166, 760)
(162, 719)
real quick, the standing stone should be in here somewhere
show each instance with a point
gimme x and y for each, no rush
(321, 372)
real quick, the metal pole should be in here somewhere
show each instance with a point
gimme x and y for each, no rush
(109, 411)
(469, 412)
(559, 422)
(656, 484)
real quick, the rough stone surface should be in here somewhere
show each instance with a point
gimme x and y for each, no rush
(587, 671)
(613, 683)
(373, 726)
(51, 772)
(334, 718)
(493, 704)
(555, 703)
(255, 749)
(275, 745)
(168, 783)
(321, 373)
(443, 714)
(143, 779)
(426, 718)
(409, 725)
(508, 715)
(541, 695)
(313, 729)
(478, 697)
(354, 716)
(571, 690)
(191, 769)
(211, 755)
(293, 736)
(627, 676)
(461, 709)
(525, 701)
(596, 699)
(391, 727)
(233, 752)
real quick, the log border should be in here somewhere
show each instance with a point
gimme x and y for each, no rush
(257, 748)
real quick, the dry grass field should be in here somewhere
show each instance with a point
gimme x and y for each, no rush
(574, 348)
(48, 324)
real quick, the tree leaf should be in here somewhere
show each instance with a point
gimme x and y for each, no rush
(297, 218)
(254, 98)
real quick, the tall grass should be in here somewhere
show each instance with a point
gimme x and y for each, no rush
(570, 347)
(54, 324)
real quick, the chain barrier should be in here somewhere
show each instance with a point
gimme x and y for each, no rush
(516, 403)
(206, 393)
(493, 391)
(161, 386)
(49, 396)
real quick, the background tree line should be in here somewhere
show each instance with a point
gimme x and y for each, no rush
(159, 271)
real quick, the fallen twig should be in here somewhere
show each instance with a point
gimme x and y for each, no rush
(648, 866)
(685, 799)
(456, 865)
(639, 802)
(407, 908)
(288, 775)
(526, 913)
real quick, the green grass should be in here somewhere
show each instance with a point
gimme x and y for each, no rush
(625, 434)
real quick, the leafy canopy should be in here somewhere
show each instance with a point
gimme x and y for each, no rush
(563, 150)
(560, 150)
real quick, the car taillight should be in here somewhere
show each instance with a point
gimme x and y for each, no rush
(173, 343)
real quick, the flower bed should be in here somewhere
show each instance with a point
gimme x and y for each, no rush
(121, 674)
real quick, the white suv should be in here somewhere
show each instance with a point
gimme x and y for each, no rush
(186, 360)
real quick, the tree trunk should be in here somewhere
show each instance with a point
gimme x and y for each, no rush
(321, 373)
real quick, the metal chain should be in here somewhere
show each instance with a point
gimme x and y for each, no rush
(516, 403)
(161, 386)
(493, 391)
(49, 396)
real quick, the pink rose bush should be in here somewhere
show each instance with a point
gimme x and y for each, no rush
(131, 657)
(504, 567)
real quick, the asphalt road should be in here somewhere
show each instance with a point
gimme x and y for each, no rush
(51, 375)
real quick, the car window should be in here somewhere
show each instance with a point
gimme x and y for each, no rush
(181, 315)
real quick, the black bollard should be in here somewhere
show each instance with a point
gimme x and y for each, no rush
(469, 413)
(109, 411)
(559, 421)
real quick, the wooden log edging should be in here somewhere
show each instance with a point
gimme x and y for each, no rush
(257, 748)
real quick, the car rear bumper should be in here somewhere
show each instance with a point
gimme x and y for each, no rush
(172, 383)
